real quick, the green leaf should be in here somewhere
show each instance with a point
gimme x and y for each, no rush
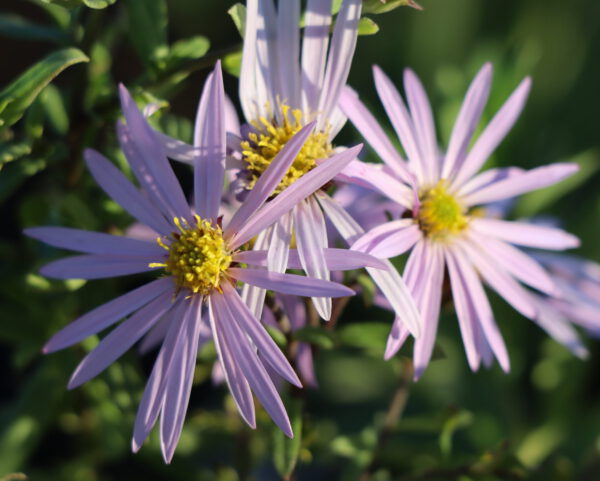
(238, 15)
(15, 26)
(13, 151)
(285, 450)
(368, 288)
(186, 50)
(54, 109)
(148, 29)
(15, 174)
(277, 335)
(383, 6)
(366, 26)
(365, 335)
(98, 4)
(95, 4)
(535, 202)
(22, 92)
(232, 63)
(315, 335)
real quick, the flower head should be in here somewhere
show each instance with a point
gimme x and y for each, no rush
(201, 263)
(443, 223)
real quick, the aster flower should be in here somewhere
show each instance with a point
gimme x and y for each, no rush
(577, 301)
(288, 80)
(201, 262)
(442, 226)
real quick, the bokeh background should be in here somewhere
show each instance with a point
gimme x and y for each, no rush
(540, 422)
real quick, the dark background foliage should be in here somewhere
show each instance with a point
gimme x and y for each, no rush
(540, 422)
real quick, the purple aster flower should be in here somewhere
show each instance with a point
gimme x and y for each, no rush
(288, 80)
(442, 226)
(201, 262)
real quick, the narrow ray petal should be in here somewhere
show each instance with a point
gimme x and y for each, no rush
(390, 239)
(93, 242)
(523, 234)
(209, 138)
(311, 239)
(120, 340)
(290, 283)
(97, 266)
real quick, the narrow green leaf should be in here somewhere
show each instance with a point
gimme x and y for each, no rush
(238, 15)
(383, 6)
(22, 92)
(13, 151)
(285, 450)
(454, 422)
(54, 108)
(277, 335)
(14, 26)
(98, 4)
(186, 50)
(148, 29)
(366, 26)
(315, 335)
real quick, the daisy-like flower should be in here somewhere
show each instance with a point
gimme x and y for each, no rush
(288, 80)
(444, 197)
(577, 302)
(201, 262)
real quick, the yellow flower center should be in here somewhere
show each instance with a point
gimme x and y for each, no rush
(440, 214)
(198, 256)
(261, 147)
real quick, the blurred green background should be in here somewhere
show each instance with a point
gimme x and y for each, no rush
(540, 422)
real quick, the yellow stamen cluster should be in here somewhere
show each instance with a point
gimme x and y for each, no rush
(440, 214)
(198, 256)
(262, 146)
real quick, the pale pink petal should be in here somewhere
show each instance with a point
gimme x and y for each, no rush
(396, 339)
(524, 234)
(370, 129)
(465, 311)
(311, 239)
(518, 264)
(520, 184)
(317, 20)
(467, 120)
(374, 177)
(424, 127)
(481, 305)
(390, 239)
(288, 49)
(253, 296)
(252, 89)
(499, 279)
(493, 134)
(290, 283)
(339, 59)
(389, 281)
(400, 118)
(486, 178)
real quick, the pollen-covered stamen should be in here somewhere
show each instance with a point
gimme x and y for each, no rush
(271, 135)
(440, 214)
(198, 256)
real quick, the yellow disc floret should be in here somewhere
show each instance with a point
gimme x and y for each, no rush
(269, 137)
(198, 256)
(440, 214)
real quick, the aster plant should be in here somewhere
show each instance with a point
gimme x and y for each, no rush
(443, 224)
(201, 263)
